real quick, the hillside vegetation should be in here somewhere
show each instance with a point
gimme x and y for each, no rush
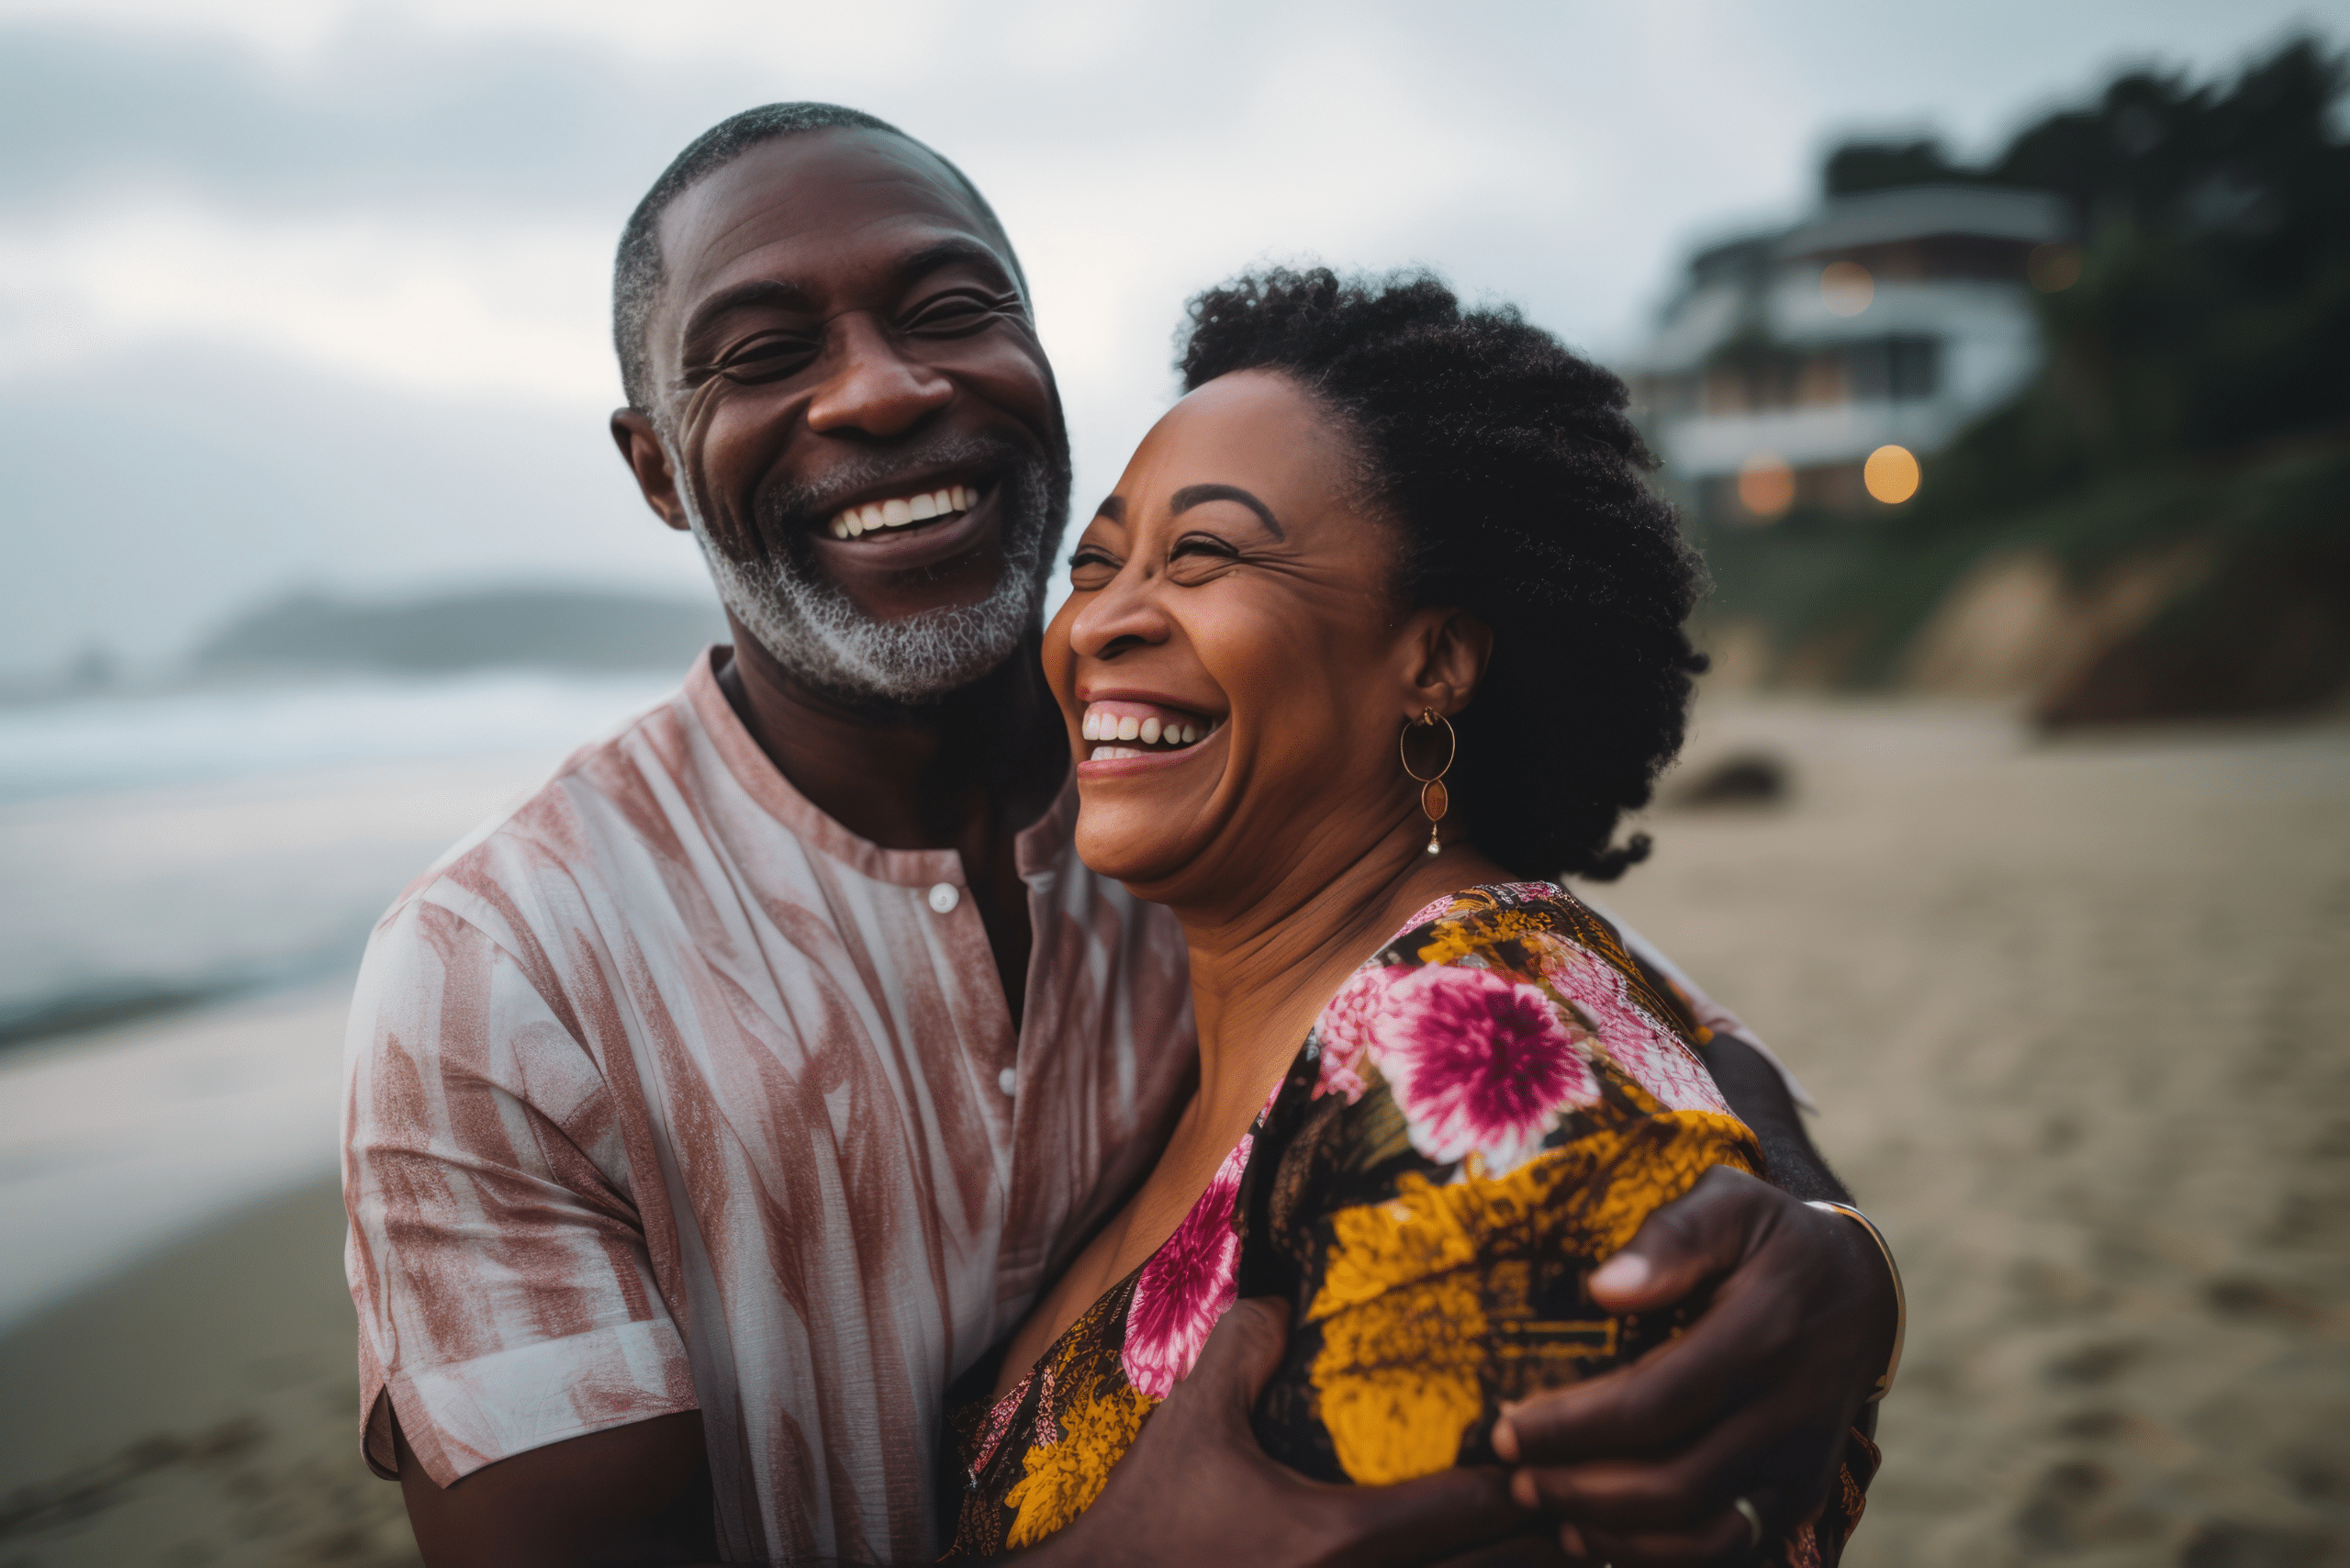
(2160, 524)
(549, 629)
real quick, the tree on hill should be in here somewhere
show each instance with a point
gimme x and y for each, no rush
(2213, 303)
(2192, 401)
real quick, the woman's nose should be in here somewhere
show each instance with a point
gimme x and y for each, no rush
(1123, 614)
(873, 389)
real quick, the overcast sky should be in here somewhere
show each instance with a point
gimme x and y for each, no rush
(314, 294)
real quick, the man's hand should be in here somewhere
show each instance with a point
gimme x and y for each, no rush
(1197, 1488)
(1645, 1464)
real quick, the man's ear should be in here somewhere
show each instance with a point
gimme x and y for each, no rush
(1451, 653)
(647, 458)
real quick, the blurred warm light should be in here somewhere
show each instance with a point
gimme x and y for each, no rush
(1891, 475)
(1766, 486)
(2053, 268)
(1846, 288)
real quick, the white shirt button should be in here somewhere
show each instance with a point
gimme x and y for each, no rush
(944, 897)
(1007, 1081)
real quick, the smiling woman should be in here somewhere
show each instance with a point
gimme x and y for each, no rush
(1435, 1093)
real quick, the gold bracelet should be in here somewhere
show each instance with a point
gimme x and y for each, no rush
(1900, 1299)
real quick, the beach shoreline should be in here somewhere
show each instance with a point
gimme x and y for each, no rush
(200, 1407)
(2069, 1009)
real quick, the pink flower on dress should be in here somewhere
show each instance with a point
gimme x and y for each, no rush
(1478, 1064)
(1435, 909)
(1186, 1285)
(1000, 1416)
(1346, 1026)
(1649, 1054)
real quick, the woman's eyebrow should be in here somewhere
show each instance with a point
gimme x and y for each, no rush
(1112, 507)
(1190, 496)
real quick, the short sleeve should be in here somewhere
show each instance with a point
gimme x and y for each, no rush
(501, 1272)
(1710, 1015)
(1486, 1110)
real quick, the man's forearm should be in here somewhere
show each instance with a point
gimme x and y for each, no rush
(1758, 1094)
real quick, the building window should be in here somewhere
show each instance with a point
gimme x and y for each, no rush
(1896, 369)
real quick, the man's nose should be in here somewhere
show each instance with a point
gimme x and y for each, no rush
(874, 389)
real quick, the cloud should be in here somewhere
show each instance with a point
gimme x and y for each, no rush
(1251, 128)
(153, 493)
(318, 286)
(381, 117)
(421, 307)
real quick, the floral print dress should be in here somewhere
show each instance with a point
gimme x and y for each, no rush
(1488, 1108)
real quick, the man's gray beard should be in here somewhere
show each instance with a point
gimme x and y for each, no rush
(816, 631)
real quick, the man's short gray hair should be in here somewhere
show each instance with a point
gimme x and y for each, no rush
(637, 270)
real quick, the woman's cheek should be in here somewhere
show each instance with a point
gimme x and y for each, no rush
(1275, 669)
(1244, 647)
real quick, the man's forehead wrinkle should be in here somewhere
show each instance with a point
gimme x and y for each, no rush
(800, 172)
(786, 211)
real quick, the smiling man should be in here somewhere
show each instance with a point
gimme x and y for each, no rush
(710, 1111)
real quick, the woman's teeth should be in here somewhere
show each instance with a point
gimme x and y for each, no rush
(1151, 731)
(903, 510)
(1167, 733)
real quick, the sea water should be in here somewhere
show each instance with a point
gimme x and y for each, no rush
(171, 847)
(105, 743)
(186, 882)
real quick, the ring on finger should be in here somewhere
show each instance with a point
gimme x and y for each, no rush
(1753, 1518)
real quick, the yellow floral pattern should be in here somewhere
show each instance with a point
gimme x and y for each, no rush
(1397, 1377)
(1405, 1333)
(1058, 1480)
(1432, 1235)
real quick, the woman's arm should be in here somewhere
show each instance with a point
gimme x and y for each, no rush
(1197, 1487)
(1758, 1093)
(1803, 1315)
(1760, 1398)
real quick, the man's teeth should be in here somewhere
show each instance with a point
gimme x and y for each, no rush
(903, 510)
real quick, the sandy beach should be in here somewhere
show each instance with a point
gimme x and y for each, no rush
(2067, 1007)
(2070, 1010)
(199, 1409)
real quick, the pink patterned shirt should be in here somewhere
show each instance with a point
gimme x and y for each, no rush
(666, 1093)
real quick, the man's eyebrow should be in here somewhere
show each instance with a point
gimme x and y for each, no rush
(1112, 507)
(773, 291)
(1190, 496)
(759, 291)
(954, 248)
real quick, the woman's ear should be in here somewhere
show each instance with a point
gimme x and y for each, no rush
(1451, 649)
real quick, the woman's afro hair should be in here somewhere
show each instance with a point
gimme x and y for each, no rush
(1511, 469)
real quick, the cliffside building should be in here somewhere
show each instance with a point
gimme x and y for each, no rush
(1815, 367)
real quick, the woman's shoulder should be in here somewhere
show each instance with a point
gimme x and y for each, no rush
(1501, 1009)
(1541, 934)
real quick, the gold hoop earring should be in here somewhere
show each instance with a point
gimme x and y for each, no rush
(1435, 799)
